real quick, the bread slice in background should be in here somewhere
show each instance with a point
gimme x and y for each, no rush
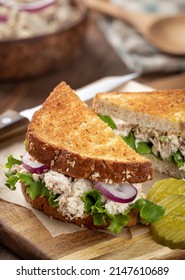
(163, 109)
(69, 137)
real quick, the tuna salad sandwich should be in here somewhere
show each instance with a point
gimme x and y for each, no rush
(76, 169)
(152, 123)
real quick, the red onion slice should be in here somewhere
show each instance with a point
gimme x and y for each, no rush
(122, 193)
(33, 166)
(29, 7)
(3, 18)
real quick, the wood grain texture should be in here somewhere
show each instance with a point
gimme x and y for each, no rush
(139, 248)
(5, 253)
(19, 230)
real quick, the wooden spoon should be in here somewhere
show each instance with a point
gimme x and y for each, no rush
(167, 33)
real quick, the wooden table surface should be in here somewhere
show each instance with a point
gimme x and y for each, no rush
(98, 60)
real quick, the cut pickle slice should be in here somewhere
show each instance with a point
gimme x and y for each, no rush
(165, 188)
(170, 229)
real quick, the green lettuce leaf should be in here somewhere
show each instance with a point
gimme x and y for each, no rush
(37, 188)
(93, 206)
(108, 120)
(130, 140)
(11, 181)
(143, 148)
(93, 202)
(149, 212)
(12, 161)
(117, 222)
(52, 199)
(178, 158)
(99, 219)
(33, 188)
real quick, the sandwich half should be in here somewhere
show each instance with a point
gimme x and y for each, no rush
(78, 170)
(152, 123)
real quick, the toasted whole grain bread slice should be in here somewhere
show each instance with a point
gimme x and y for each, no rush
(69, 137)
(162, 110)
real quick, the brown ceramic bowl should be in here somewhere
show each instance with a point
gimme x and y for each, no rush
(37, 55)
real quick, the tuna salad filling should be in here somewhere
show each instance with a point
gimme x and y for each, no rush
(165, 146)
(78, 197)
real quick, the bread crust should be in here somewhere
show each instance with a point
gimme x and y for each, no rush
(163, 110)
(41, 203)
(67, 136)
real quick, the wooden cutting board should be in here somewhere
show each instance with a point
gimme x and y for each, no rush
(23, 233)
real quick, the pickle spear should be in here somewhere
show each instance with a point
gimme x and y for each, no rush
(165, 188)
(170, 229)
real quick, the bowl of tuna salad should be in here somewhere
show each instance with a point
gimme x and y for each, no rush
(38, 36)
